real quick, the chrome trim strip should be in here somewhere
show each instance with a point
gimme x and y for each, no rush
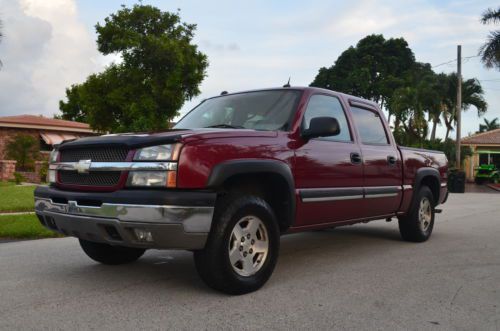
(116, 166)
(345, 197)
(193, 218)
(407, 187)
(380, 195)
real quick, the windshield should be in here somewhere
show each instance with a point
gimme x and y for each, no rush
(260, 110)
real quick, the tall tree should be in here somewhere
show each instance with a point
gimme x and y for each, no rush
(489, 125)
(490, 51)
(373, 69)
(160, 69)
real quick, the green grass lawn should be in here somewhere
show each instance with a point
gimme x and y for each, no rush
(16, 197)
(23, 227)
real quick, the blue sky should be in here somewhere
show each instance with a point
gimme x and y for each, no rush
(249, 44)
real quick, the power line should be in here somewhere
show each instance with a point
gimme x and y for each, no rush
(455, 60)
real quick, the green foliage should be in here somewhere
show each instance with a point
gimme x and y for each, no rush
(490, 51)
(25, 150)
(489, 125)
(372, 69)
(160, 69)
(18, 178)
(44, 169)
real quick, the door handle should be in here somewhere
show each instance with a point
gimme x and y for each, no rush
(355, 158)
(391, 160)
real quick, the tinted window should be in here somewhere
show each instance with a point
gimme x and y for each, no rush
(370, 127)
(260, 110)
(326, 106)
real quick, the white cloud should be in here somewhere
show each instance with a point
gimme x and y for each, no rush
(45, 49)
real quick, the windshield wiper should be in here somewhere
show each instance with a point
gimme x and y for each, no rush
(226, 126)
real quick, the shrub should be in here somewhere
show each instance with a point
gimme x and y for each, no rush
(18, 178)
(24, 149)
(43, 172)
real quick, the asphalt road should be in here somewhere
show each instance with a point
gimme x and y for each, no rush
(357, 277)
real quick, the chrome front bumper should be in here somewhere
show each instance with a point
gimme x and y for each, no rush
(170, 226)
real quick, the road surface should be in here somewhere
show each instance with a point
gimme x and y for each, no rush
(357, 277)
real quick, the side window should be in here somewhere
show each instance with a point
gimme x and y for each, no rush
(370, 127)
(326, 106)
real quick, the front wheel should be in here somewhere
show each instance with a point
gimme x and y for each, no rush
(417, 225)
(107, 254)
(242, 248)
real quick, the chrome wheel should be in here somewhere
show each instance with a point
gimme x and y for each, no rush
(248, 246)
(425, 214)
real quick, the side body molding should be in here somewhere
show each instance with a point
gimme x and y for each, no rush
(227, 169)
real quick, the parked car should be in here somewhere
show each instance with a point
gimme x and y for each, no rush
(234, 174)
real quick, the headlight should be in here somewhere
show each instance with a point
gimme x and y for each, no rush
(158, 153)
(152, 178)
(54, 155)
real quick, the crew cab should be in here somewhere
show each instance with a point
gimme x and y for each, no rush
(234, 174)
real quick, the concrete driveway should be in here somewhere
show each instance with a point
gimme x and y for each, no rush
(358, 277)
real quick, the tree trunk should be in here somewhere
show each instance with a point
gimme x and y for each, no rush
(434, 126)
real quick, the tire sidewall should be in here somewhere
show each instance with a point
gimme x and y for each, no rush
(424, 192)
(267, 217)
(213, 262)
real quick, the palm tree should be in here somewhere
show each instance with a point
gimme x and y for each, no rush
(490, 51)
(489, 125)
(472, 95)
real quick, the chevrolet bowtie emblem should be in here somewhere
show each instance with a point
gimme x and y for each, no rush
(83, 166)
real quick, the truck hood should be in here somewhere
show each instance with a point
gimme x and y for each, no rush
(137, 140)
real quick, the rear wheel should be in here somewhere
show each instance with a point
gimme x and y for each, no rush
(108, 254)
(242, 248)
(417, 225)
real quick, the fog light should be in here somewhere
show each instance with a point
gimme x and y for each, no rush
(143, 235)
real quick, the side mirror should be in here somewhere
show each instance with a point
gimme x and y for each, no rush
(322, 127)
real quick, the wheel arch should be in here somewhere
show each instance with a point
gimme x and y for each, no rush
(429, 177)
(274, 177)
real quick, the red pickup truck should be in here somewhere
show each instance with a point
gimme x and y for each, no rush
(234, 174)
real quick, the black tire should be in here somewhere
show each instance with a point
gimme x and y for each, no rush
(112, 255)
(213, 262)
(410, 226)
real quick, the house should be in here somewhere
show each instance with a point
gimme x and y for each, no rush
(47, 131)
(485, 148)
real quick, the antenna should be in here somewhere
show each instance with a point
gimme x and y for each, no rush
(287, 84)
(223, 93)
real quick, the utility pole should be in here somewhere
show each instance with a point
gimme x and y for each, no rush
(459, 103)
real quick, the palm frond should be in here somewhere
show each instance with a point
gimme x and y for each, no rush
(490, 51)
(491, 16)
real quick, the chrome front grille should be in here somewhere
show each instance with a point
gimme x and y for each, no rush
(99, 154)
(108, 178)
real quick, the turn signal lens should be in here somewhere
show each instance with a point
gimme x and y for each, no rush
(51, 176)
(152, 179)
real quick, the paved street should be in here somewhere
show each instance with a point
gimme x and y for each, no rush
(358, 277)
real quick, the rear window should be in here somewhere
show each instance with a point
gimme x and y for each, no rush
(370, 126)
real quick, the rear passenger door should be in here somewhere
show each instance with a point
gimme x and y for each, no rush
(328, 170)
(382, 172)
